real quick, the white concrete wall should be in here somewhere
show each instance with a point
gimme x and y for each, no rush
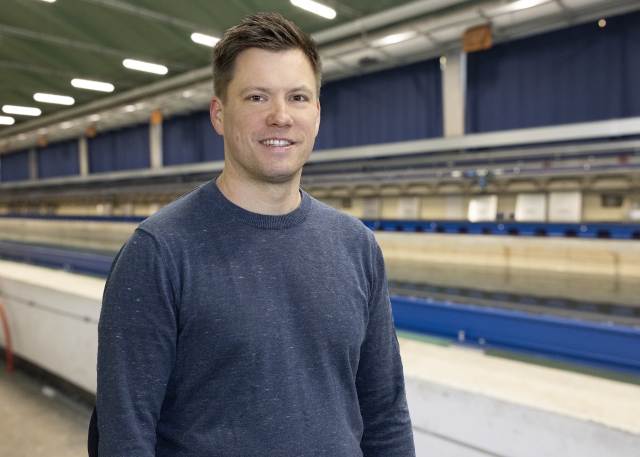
(88, 234)
(53, 319)
(573, 268)
(576, 255)
(466, 404)
(449, 422)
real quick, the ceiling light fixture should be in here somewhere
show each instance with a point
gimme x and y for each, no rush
(207, 40)
(23, 110)
(395, 38)
(145, 66)
(56, 99)
(49, 1)
(518, 5)
(6, 120)
(316, 8)
(92, 85)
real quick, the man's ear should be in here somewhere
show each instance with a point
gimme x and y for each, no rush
(215, 113)
(318, 119)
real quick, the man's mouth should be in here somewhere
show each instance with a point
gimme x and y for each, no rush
(278, 143)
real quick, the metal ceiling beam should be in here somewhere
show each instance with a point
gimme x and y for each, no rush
(528, 136)
(468, 159)
(154, 16)
(194, 76)
(384, 18)
(443, 146)
(28, 68)
(60, 41)
(343, 9)
(581, 16)
(36, 69)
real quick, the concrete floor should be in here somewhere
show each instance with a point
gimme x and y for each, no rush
(37, 421)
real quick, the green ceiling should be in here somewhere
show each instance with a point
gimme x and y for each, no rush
(44, 45)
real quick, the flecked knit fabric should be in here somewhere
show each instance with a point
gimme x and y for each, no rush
(229, 333)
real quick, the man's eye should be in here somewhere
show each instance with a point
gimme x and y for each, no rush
(254, 98)
(299, 98)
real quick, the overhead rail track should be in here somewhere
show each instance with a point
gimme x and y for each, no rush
(557, 143)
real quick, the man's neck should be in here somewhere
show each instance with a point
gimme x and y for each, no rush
(273, 199)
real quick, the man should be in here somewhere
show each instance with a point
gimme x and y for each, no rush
(247, 318)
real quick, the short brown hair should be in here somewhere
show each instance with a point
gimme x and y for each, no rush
(268, 31)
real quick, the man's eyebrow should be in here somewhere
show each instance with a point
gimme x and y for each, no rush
(267, 90)
(302, 88)
(254, 89)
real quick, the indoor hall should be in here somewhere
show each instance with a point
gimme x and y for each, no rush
(491, 148)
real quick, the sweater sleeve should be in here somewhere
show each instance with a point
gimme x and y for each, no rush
(137, 336)
(380, 379)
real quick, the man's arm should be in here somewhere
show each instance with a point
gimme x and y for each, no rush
(380, 379)
(136, 349)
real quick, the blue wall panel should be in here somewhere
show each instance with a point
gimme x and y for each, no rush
(14, 166)
(580, 74)
(60, 159)
(398, 104)
(124, 149)
(191, 139)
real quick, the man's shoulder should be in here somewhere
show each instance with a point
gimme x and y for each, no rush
(338, 221)
(179, 214)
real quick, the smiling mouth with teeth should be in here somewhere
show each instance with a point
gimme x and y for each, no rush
(280, 143)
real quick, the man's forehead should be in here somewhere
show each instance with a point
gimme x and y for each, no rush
(266, 56)
(271, 70)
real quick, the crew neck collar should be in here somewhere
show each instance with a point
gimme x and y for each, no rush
(264, 221)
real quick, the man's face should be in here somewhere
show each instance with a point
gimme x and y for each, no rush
(271, 116)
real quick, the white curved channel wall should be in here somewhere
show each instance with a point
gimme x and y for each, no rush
(462, 402)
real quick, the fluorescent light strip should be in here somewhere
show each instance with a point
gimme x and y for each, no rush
(207, 40)
(6, 120)
(92, 85)
(56, 99)
(23, 110)
(316, 8)
(512, 7)
(145, 66)
(393, 39)
(49, 1)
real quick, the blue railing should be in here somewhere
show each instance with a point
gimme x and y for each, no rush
(585, 230)
(621, 231)
(53, 217)
(75, 261)
(594, 344)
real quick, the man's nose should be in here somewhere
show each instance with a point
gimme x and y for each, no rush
(279, 114)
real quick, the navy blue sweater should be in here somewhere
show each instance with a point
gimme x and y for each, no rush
(229, 333)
